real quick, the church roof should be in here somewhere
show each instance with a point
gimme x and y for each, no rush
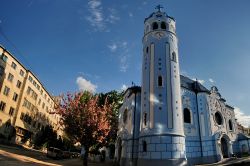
(186, 82)
(133, 89)
(192, 85)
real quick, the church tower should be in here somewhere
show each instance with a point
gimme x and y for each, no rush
(162, 139)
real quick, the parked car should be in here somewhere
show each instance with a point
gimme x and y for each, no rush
(75, 154)
(54, 153)
(66, 154)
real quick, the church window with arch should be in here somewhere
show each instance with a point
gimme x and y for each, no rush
(125, 116)
(173, 58)
(163, 25)
(145, 119)
(218, 118)
(160, 81)
(230, 124)
(154, 25)
(187, 115)
(144, 146)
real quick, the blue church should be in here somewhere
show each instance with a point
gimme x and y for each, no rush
(172, 119)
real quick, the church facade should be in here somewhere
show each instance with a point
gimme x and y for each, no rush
(172, 119)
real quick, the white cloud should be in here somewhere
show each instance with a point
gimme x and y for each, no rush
(123, 63)
(113, 47)
(122, 51)
(85, 85)
(113, 17)
(211, 80)
(243, 119)
(124, 87)
(96, 14)
(200, 81)
(130, 14)
(97, 19)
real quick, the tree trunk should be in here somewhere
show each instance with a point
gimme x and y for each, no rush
(85, 157)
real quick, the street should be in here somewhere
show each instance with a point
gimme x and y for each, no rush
(13, 156)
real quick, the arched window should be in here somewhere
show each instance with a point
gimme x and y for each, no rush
(145, 119)
(147, 50)
(160, 81)
(144, 146)
(163, 25)
(230, 125)
(187, 115)
(155, 26)
(173, 57)
(125, 116)
(218, 118)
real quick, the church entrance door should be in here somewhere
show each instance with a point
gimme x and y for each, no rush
(224, 147)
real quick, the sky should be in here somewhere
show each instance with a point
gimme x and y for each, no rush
(74, 45)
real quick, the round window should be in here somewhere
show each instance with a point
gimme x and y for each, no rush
(218, 118)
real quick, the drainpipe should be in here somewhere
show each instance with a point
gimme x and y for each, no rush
(197, 106)
(133, 138)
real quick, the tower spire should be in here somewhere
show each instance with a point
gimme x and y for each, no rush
(159, 7)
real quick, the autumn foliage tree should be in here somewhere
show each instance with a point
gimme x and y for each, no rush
(85, 120)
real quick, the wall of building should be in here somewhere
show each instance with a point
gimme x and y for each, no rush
(33, 103)
(10, 81)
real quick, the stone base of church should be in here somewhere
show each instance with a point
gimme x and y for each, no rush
(158, 162)
(203, 160)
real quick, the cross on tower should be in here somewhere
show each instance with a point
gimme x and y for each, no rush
(159, 7)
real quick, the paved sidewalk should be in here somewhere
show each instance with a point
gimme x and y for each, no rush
(18, 156)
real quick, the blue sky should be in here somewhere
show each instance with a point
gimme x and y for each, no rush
(97, 44)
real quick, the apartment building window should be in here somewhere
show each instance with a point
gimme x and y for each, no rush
(39, 102)
(11, 112)
(6, 91)
(4, 57)
(2, 106)
(41, 92)
(13, 65)
(21, 73)
(26, 103)
(34, 83)
(1, 71)
(22, 116)
(15, 96)
(29, 90)
(43, 105)
(10, 77)
(30, 79)
(45, 96)
(18, 84)
(34, 95)
(38, 87)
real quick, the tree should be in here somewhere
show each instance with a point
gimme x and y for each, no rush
(115, 99)
(48, 136)
(85, 120)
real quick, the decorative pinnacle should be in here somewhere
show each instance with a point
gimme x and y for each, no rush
(159, 7)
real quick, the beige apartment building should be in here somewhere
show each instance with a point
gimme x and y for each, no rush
(24, 102)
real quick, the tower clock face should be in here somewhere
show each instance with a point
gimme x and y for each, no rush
(159, 35)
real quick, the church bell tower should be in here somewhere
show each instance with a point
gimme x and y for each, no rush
(162, 137)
